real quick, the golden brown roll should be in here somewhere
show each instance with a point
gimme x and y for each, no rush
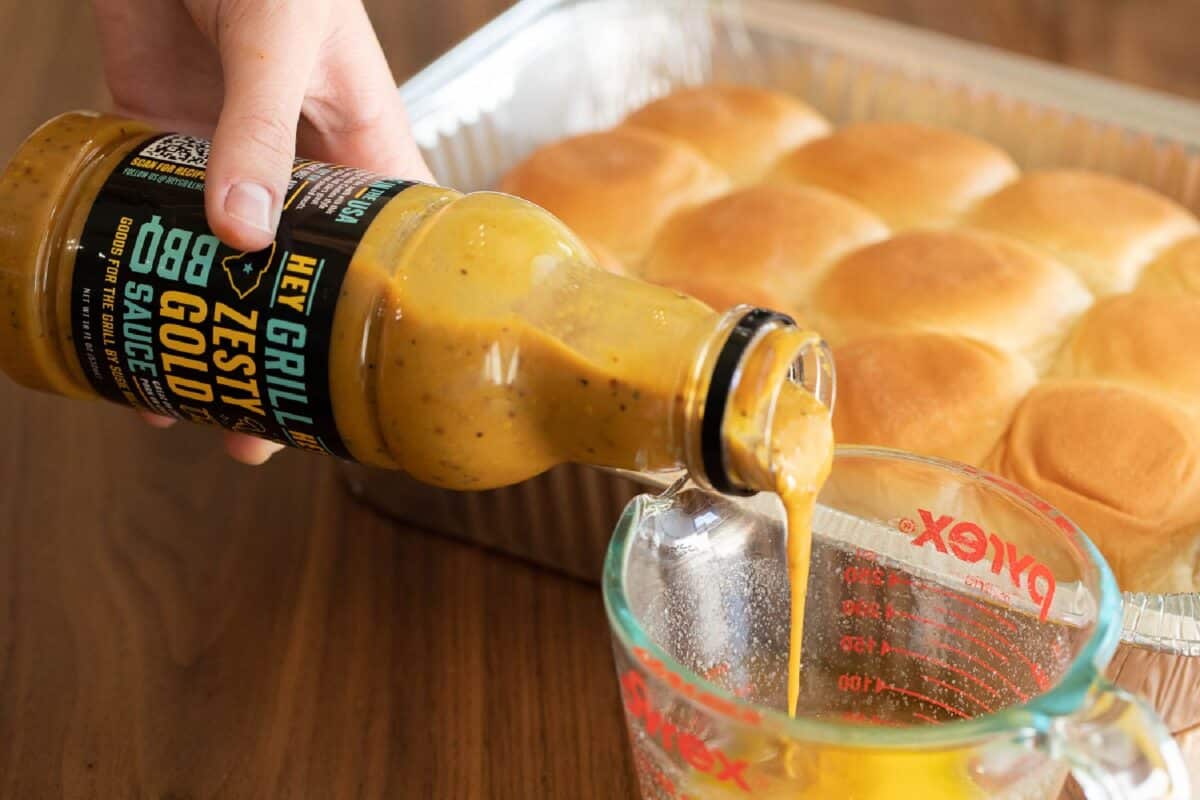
(1177, 270)
(616, 188)
(1124, 464)
(1149, 340)
(965, 282)
(906, 173)
(928, 393)
(723, 295)
(741, 129)
(759, 242)
(1107, 230)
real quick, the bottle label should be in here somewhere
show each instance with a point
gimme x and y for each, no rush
(169, 319)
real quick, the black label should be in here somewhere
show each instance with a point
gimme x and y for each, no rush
(167, 318)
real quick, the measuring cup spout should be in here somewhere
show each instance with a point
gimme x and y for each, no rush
(1120, 750)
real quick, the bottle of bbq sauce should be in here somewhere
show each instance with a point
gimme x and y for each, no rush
(468, 340)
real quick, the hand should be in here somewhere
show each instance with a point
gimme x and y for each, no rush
(258, 77)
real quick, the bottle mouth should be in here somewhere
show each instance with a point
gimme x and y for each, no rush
(811, 370)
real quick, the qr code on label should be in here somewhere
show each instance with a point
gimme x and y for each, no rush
(179, 150)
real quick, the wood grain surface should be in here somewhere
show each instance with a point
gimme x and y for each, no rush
(176, 627)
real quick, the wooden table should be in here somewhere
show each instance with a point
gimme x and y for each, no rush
(173, 626)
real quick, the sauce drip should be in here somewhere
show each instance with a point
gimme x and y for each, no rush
(793, 460)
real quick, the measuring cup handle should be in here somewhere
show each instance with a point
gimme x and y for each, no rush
(1119, 749)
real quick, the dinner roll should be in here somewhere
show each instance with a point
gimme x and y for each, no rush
(1123, 464)
(928, 393)
(741, 129)
(908, 174)
(762, 241)
(972, 283)
(723, 295)
(1149, 340)
(1177, 270)
(615, 188)
(1107, 230)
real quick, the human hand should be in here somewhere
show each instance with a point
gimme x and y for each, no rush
(260, 77)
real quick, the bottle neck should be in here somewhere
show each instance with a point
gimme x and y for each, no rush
(754, 356)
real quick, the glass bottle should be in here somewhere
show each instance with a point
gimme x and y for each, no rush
(467, 339)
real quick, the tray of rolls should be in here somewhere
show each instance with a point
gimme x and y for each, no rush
(1004, 255)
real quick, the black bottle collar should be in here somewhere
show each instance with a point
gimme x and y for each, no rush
(712, 449)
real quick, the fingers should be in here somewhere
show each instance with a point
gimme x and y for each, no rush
(268, 52)
(159, 66)
(353, 113)
(249, 450)
(273, 55)
(269, 56)
(239, 446)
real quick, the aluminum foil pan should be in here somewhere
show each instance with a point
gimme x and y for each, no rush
(551, 68)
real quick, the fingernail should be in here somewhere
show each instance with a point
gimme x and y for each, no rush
(251, 203)
(254, 451)
(267, 450)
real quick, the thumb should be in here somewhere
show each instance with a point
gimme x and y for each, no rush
(267, 57)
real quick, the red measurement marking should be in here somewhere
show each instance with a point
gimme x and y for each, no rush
(963, 692)
(1035, 670)
(926, 718)
(923, 697)
(892, 612)
(874, 719)
(927, 587)
(875, 576)
(1038, 677)
(858, 644)
(976, 623)
(862, 608)
(888, 648)
(1016, 689)
(848, 682)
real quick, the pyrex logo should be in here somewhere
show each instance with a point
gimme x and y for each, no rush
(969, 543)
(709, 760)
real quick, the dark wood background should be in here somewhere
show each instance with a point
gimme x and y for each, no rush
(173, 626)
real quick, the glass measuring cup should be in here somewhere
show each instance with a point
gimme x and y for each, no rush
(955, 638)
